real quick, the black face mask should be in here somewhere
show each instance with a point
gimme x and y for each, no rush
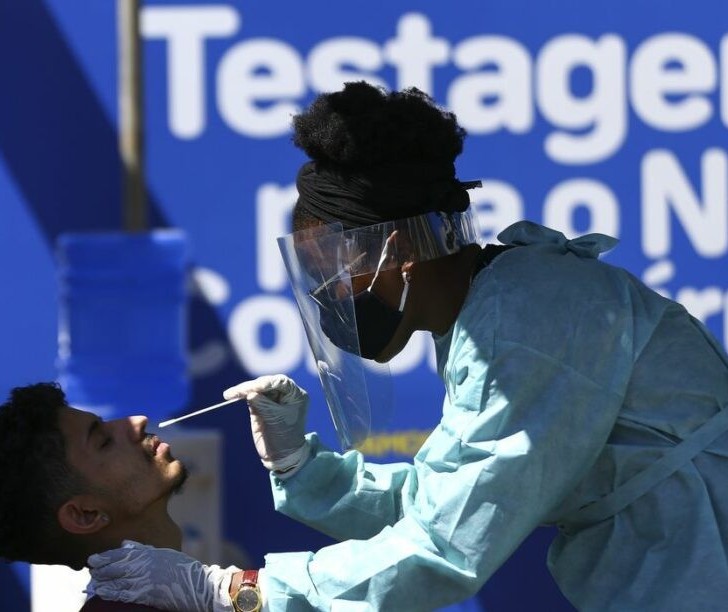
(376, 323)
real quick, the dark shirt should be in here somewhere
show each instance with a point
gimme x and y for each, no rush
(94, 604)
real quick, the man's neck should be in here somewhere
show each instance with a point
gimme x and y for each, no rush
(160, 531)
(163, 533)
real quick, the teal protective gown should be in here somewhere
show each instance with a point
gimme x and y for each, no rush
(575, 396)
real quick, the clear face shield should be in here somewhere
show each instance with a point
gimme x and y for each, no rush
(334, 275)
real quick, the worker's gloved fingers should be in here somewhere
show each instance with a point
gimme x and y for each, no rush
(278, 414)
(278, 408)
(243, 390)
(274, 441)
(118, 562)
(290, 392)
(277, 387)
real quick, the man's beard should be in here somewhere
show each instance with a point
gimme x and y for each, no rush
(180, 480)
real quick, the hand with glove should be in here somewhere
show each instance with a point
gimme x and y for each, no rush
(160, 577)
(278, 409)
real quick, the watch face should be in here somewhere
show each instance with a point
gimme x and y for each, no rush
(248, 599)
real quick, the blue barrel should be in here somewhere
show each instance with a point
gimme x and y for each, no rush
(122, 330)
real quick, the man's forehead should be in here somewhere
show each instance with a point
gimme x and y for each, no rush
(71, 415)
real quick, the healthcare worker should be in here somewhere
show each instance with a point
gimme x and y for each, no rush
(575, 396)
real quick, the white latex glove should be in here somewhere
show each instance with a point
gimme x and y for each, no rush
(161, 578)
(278, 409)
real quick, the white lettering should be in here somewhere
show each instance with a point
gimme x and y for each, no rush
(666, 190)
(257, 83)
(273, 206)
(596, 198)
(333, 62)
(725, 321)
(658, 274)
(602, 111)
(499, 96)
(702, 304)
(672, 66)
(724, 79)
(495, 205)
(262, 82)
(185, 29)
(245, 328)
(414, 52)
(214, 289)
(210, 285)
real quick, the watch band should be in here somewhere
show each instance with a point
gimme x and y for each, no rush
(248, 597)
(250, 577)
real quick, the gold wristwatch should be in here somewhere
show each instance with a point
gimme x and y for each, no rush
(248, 598)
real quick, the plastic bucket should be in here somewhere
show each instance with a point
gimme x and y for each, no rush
(122, 335)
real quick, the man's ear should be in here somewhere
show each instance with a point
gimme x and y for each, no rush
(81, 517)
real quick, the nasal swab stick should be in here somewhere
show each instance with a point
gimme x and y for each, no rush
(196, 412)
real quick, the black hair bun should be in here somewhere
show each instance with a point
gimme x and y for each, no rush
(363, 126)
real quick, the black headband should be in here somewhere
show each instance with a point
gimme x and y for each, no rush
(381, 194)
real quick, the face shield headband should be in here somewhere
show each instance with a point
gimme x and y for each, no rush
(334, 275)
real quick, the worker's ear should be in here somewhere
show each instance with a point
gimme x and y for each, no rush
(80, 516)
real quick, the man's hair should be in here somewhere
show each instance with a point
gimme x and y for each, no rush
(35, 477)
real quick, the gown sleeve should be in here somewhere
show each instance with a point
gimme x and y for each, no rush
(343, 496)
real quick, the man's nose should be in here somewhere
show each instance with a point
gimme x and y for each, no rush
(138, 425)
